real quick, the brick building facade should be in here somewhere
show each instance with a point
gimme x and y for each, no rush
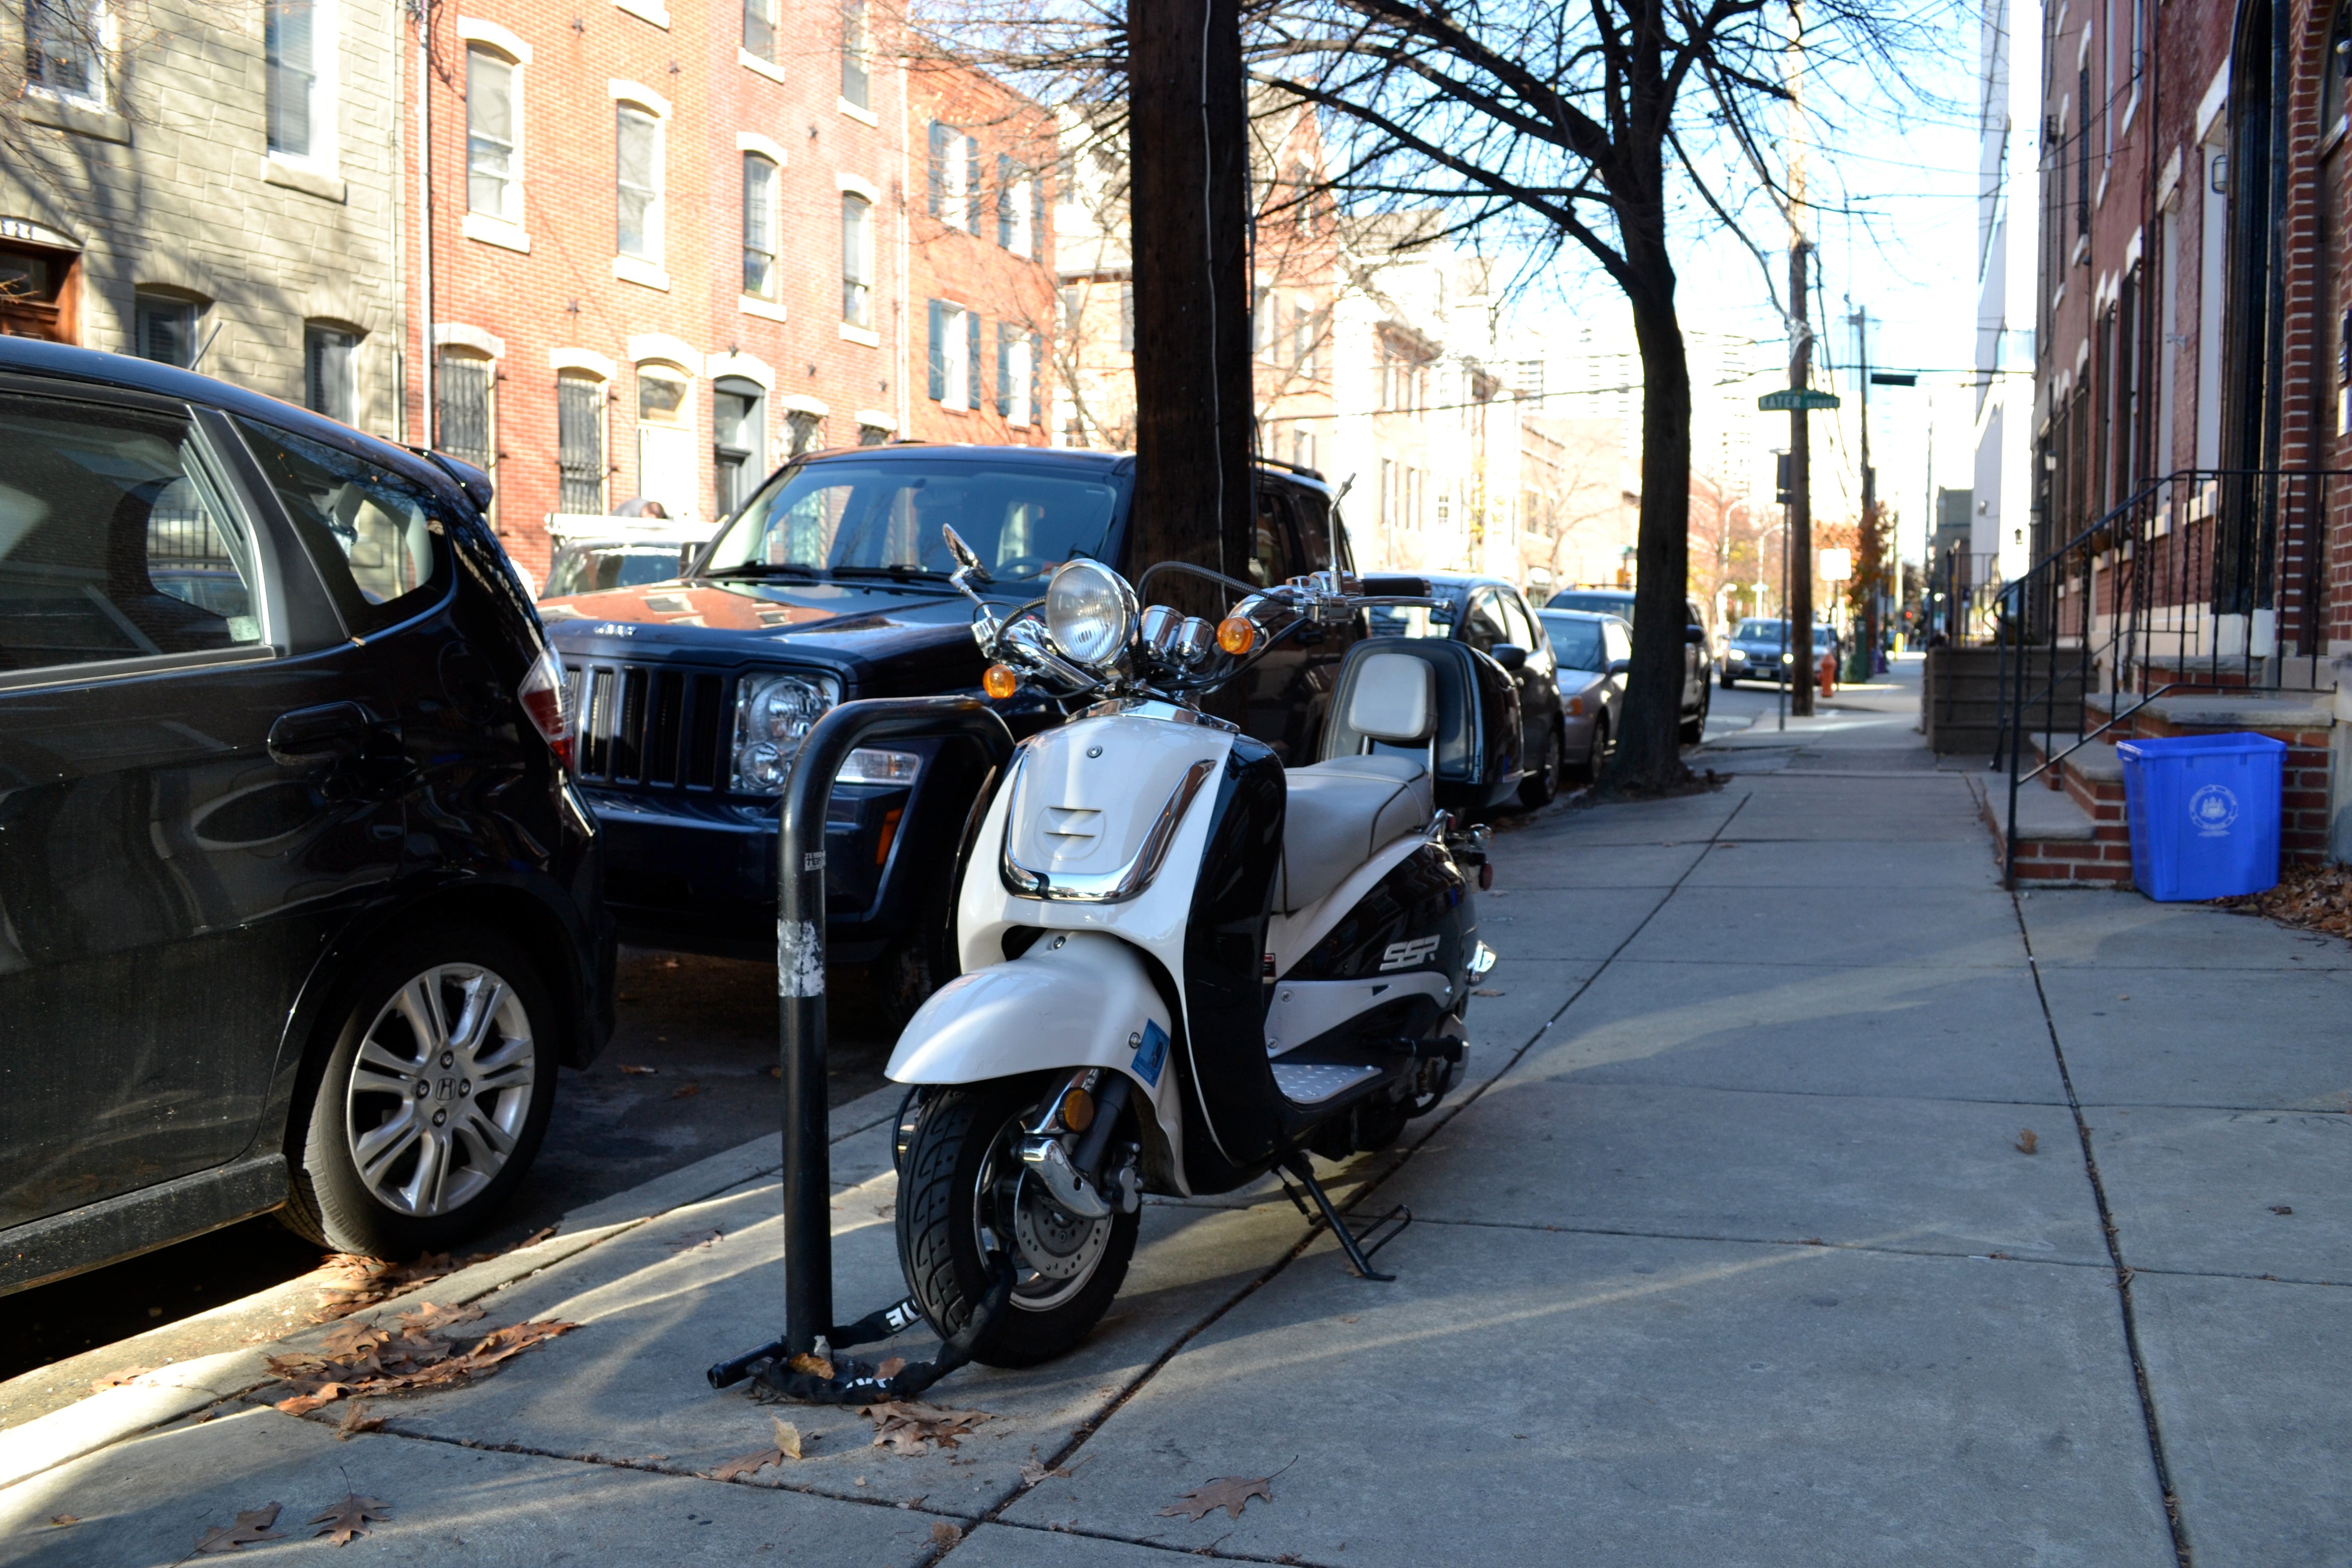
(666, 249)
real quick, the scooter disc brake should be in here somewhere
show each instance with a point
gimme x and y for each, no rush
(1055, 1243)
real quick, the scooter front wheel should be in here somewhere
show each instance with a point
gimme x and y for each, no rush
(964, 1194)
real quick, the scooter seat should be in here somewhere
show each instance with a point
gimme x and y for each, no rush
(1338, 814)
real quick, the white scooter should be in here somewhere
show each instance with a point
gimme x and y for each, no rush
(1184, 965)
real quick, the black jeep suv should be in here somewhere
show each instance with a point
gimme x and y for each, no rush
(297, 908)
(832, 583)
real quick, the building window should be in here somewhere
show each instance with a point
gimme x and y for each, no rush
(63, 42)
(738, 411)
(580, 444)
(856, 84)
(493, 172)
(759, 226)
(856, 259)
(166, 329)
(1302, 447)
(638, 138)
(1017, 219)
(954, 178)
(462, 407)
(1127, 317)
(807, 429)
(955, 356)
(872, 435)
(1017, 374)
(330, 367)
(759, 29)
(665, 464)
(287, 32)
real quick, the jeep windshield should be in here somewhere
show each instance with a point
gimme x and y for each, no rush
(881, 517)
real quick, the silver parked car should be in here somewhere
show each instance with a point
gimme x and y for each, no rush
(1592, 653)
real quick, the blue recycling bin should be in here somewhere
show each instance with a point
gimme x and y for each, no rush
(2204, 812)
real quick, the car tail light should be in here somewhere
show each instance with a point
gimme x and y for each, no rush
(547, 700)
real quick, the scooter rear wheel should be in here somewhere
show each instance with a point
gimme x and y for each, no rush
(963, 1195)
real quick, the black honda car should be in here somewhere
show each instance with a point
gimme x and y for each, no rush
(832, 583)
(298, 910)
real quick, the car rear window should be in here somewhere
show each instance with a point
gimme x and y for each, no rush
(1021, 520)
(1575, 643)
(589, 568)
(117, 540)
(375, 538)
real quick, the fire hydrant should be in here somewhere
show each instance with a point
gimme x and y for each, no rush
(1827, 675)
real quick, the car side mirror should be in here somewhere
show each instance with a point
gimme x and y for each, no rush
(1620, 665)
(1509, 655)
(1695, 635)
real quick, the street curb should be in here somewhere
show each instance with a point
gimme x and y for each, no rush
(168, 1392)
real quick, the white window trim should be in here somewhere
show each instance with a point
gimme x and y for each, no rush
(875, 419)
(460, 335)
(586, 360)
(799, 403)
(758, 67)
(955, 356)
(98, 102)
(473, 30)
(766, 309)
(856, 186)
(647, 270)
(506, 228)
(645, 11)
(863, 116)
(767, 147)
(866, 335)
(659, 349)
(1023, 196)
(743, 367)
(325, 156)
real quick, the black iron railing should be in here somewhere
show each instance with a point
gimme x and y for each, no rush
(2206, 580)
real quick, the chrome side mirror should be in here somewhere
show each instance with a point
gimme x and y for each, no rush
(968, 564)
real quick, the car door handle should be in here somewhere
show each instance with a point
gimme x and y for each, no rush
(332, 730)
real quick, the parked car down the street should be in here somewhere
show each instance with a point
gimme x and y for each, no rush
(298, 909)
(1592, 652)
(631, 556)
(1759, 651)
(1698, 692)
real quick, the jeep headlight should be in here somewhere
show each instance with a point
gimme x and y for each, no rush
(773, 714)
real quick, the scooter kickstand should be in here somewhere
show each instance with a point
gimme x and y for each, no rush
(1381, 1232)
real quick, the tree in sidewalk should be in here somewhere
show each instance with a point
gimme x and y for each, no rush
(1583, 120)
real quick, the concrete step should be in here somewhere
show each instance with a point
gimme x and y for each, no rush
(2058, 839)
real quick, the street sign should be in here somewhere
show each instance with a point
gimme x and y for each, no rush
(1792, 400)
(1837, 564)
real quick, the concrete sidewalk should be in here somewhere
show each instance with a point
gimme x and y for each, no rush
(1726, 1253)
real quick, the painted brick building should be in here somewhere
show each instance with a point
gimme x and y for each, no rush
(664, 250)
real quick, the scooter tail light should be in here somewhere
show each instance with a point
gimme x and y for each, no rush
(546, 697)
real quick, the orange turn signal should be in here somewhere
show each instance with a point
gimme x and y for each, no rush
(1237, 635)
(1000, 682)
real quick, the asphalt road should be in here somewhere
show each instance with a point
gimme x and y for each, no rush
(706, 1027)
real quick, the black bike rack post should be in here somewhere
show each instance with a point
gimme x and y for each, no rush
(789, 1365)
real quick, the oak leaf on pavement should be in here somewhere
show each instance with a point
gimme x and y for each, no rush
(351, 1518)
(787, 1446)
(252, 1525)
(904, 1426)
(1230, 1493)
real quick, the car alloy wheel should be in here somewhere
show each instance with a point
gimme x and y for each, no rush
(440, 1090)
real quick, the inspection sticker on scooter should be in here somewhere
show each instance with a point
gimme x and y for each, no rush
(1152, 1054)
(1405, 954)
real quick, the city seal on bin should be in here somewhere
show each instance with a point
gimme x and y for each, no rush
(2213, 808)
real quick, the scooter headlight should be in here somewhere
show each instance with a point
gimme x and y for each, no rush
(1090, 615)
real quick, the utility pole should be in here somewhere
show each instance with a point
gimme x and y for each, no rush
(1189, 208)
(1869, 565)
(1799, 616)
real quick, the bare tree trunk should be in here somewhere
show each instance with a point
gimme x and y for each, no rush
(1649, 743)
(1188, 136)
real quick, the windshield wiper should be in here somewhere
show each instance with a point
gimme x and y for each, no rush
(896, 573)
(766, 569)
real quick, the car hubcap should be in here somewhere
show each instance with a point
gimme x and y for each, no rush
(440, 1088)
(1055, 1251)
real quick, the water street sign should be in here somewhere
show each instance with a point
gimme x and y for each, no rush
(1792, 400)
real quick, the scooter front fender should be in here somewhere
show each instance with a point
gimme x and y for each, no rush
(1076, 999)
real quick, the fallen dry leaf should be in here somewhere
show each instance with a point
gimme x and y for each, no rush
(2027, 1142)
(1034, 1470)
(811, 1362)
(684, 1090)
(351, 1518)
(695, 1240)
(2282, 1208)
(892, 1367)
(635, 1071)
(945, 1535)
(117, 1379)
(904, 1426)
(1230, 1493)
(355, 1421)
(787, 1446)
(2315, 898)
(364, 1358)
(252, 1525)
(62, 1519)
